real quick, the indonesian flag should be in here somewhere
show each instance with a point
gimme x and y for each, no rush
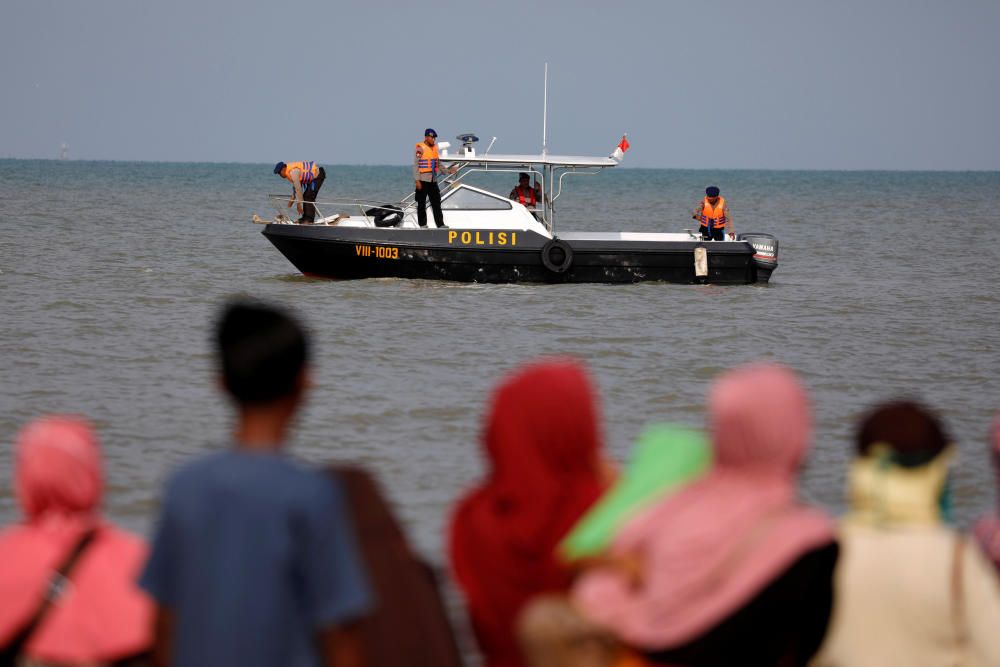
(623, 146)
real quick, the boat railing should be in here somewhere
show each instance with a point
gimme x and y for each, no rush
(448, 180)
(404, 205)
(363, 206)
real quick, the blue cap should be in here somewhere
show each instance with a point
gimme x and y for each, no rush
(429, 132)
(712, 191)
(279, 167)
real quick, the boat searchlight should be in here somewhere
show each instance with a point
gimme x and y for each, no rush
(468, 144)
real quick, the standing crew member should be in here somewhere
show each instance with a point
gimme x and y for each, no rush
(425, 169)
(524, 193)
(713, 213)
(306, 178)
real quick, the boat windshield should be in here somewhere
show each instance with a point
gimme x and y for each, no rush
(466, 199)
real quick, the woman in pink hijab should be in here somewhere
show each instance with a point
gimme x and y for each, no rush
(97, 615)
(731, 569)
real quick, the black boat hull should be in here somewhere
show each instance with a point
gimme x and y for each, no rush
(491, 256)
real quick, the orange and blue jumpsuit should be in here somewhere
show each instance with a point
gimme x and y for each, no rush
(426, 162)
(715, 219)
(309, 179)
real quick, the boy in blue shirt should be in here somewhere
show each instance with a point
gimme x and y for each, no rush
(254, 561)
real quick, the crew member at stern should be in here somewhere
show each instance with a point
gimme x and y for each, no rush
(713, 214)
(425, 170)
(306, 179)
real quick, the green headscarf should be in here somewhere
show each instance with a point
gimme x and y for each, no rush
(664, 457)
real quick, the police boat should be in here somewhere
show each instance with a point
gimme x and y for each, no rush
(490, 238)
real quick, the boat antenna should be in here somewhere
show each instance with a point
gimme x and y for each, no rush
(545, 111)
(493, 141)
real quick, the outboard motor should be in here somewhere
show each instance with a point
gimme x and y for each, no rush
(765, 258)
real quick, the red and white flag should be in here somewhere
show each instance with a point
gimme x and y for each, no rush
(623, 146)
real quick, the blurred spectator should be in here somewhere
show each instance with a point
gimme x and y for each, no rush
(544, 469)
(664, 458)
(552, 633)
(909, 589)
(988, 527)
(254, 560)
(67, 577)
(410, 625)
(731, 569)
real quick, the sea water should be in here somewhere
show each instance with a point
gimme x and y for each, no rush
(111, 275)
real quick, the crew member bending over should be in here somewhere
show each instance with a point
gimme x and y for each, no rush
(524, 193)
(306, 178)
(713, 213)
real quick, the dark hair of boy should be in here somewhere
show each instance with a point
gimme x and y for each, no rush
(262, 352)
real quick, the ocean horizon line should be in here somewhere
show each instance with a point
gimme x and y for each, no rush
(620, 167)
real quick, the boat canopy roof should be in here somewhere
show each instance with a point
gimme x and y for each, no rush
(551, 168)
(547, 160)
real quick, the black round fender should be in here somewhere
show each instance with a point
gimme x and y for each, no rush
(386, 215)
(557, 256)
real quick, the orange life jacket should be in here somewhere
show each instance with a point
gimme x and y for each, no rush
(428, 161)
(713, 217)
(530, 200)
(308, 171)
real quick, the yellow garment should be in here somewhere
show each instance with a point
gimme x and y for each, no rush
(881, 493)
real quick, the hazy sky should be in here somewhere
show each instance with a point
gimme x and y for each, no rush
(831, 84)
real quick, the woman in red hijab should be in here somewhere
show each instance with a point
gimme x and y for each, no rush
(545, 468)
(98, 616)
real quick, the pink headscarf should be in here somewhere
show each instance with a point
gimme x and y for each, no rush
(102, 615)
(58, 469)
(707, 550)
(987, 529)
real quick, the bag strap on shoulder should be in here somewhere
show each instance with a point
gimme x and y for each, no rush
(958, 591)
(55, 588)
